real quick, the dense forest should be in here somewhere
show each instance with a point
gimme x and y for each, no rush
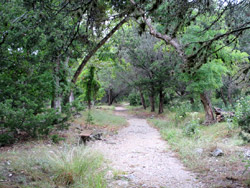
(62, 57)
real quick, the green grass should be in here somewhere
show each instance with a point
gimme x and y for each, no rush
(45, 166)
(104, 118)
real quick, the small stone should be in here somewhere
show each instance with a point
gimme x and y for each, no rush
(199, 151)
(247, 154)
(10, 175)
(217, 152)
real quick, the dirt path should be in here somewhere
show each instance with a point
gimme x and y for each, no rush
(141, 159)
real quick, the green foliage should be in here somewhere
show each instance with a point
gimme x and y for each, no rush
(191, 128)
(6, 139)
(208, 77)
(242, 117)
(89, 119)
(56, 138)
(134, 99)
(90, 86)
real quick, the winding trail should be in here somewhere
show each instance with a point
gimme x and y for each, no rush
(142, 159)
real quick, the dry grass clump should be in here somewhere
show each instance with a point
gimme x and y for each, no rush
(51, 166)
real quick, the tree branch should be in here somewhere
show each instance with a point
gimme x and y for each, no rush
(168, 40)
(94, 50)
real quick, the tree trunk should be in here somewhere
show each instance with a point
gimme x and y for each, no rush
(57, 96)
(161, 101)
(142, 100)
(191, 99)
(152, 102)
(94, 50)
(89, 104)
(110, 100)
(71, 97)
(222, 97)
(229, 91)
(210, 119)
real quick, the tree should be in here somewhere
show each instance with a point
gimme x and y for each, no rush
(151, 68)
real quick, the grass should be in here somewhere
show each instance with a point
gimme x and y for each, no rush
(45, 166)
(194, 150)
(102, 118)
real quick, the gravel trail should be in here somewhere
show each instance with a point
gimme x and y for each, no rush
(141, 159)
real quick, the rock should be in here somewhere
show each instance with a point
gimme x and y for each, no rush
(217, 152)
(247, 154)
(199, 151)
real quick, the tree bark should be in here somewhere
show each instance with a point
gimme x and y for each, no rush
(71, 97)
(152, 102)
(210, 118)
(161, 101)
(222, 97)
(229, 91)
(56, 102)
(142, 100)
(110, 100)
(93, 51)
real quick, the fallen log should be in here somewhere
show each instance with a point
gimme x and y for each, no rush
(221, 114)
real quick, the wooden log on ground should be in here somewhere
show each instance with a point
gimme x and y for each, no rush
(221, 114)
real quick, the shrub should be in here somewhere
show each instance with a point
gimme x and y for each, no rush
(56, 138)
(90, 119)
(242, 117)
(244, 124)
(31, 120)
(6, 139)
(191, 128)
(134, 99)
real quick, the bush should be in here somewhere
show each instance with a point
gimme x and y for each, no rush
(134, 99)
(6, 139)
(56, 138)
(191, 128)
(242, 117)
(244, 124)
(34, 122)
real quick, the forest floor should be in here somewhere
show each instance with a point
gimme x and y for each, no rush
(141, 159)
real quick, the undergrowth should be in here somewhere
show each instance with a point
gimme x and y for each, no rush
(194, 143)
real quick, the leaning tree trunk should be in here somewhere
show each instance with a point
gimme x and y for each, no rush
(142, 100)
(210, 118)
(161, 101)
(152, 102)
